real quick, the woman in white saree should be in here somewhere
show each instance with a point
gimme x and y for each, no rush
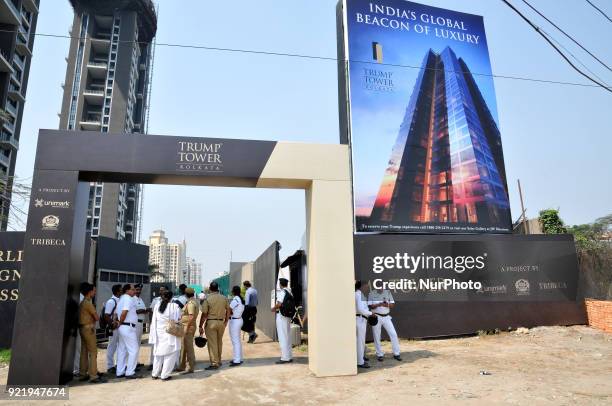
(166, 347)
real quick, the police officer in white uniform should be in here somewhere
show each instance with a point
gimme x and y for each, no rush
(141, 312)
(381, 302)
(127, 350)
(110, 308)
(235, 324)
(362, 313)
(283, 324)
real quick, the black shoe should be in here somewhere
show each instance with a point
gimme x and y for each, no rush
(380, 359)
(154, 377)
(284, 362)
(98, 380)
(139, 365)
(135, 376)
(166, 379)
(211, 367)
(235, 364)
(364, 366)
(101, 374)
(397, 357)
(253, 338)
(366, 359)
(83, 378)
(150, 368)
(120, 376)
(112, 370)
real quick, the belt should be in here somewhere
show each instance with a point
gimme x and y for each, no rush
(140, 321)
(361, 315)
(87, 325)
(236, 318)
(215, 319)
(129, 324)
(382, 315)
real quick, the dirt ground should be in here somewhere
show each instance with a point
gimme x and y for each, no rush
(541, 366)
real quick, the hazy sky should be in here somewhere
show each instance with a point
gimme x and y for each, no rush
(557, 139)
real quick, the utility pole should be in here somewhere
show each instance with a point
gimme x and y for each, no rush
(527, 231)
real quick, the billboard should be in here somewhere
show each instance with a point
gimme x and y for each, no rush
(421, 120)
(11, 257)
(470, 268)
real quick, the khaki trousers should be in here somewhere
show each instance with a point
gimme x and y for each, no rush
(89, 352)
(187, 351)
(214, 333)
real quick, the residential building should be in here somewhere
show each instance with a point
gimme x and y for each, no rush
(447, 163)
(18, 20)
(194, 272)
(106, 90)
(170, 260)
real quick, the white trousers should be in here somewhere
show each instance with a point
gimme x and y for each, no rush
(127, 350)
(163, 365)
(234, 328)
(139, 331)
(385, 321)
(362, 324)
(77, 354)
(283, 330)
(113, 341)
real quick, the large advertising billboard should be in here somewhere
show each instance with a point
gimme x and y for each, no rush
(422, 120)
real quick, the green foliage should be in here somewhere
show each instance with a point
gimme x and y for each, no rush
(551, 222)
(5, 356)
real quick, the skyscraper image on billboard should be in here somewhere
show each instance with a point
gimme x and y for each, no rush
(424, 134)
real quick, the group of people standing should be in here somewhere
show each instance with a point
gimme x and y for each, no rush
(174, 324)
(374, 307)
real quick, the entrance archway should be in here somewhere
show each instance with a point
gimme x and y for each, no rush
(66, 161)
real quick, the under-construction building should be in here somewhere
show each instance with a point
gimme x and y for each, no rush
(107, 90)
(18, 20)
(447, 163)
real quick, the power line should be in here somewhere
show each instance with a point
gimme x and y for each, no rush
(600, 10)
(539, 31)
(326, 58)
(567, 35)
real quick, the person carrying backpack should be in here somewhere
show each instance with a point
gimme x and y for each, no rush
(285, 311)
(108, 323)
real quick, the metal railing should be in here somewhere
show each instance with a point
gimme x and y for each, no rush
(9, 139)
(97, 64)
(94, 91)
(5, 160)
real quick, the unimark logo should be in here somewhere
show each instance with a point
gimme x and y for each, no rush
(50, 203)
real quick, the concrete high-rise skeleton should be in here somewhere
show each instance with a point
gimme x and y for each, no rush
(194, 272)
(106, 90)
(18, 20)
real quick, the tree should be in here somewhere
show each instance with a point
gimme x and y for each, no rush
(551, 222)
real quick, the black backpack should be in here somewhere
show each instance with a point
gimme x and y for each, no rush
(103, 324)
(287, 308)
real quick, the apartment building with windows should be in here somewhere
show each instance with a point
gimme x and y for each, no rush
(18, 20)
(106, 90)
(170, 259)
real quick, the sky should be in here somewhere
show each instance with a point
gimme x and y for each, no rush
(557, 139)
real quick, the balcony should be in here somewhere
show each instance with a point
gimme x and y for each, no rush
(8, 125)
(100, 45)
(20, 63)
(5, 160)
(22, 47)
(15, 92)
(11, 109)
(5, 57)
(9, 13)
(8, 141)
(97, 70)
(92, 122)
(94, 96)
(102, 35)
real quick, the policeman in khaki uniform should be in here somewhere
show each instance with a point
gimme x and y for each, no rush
(189, 315)
(215, 312)
(87, 328)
